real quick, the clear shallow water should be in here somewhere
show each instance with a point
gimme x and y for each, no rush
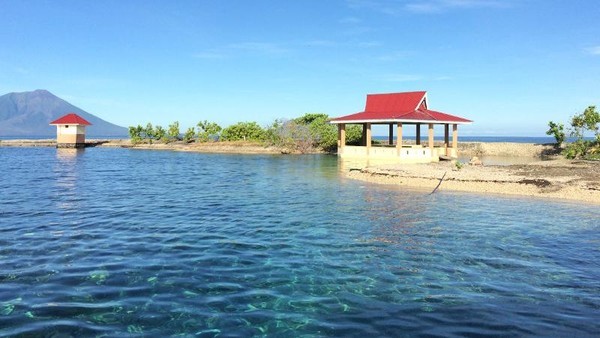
(121, 242)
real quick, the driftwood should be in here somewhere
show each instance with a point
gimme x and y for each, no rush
(440, 183)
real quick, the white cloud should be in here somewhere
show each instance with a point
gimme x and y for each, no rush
(336, 44)
(432, 6)
(423, 7)
(321, 43)
(369, 44)
(395, 7)
(210, 55)
(393, 56)
(593, 50)
(351, 20)
(22, 71)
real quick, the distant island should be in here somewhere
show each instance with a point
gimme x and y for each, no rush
(27, 114)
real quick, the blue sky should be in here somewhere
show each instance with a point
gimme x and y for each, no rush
(509, 65)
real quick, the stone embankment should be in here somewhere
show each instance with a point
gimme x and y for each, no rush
(208, 147)
(505, 149)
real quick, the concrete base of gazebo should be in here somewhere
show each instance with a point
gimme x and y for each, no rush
(407, 154)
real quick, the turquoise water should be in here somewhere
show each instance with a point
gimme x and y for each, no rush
(117, 242)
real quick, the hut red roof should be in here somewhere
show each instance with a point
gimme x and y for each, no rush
(71, 119)
(399, 107)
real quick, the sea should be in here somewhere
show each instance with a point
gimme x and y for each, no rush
(113, 242)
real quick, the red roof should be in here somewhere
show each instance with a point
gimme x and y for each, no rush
(399, 107)
(71, 119)
(401, 102)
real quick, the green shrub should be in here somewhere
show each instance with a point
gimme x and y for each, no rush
(208, 131)
(556, 130)
(295, 137)
(160, 133)
(149, 132)
(189, 135)
(247, 131)
(173, 132)
(583, 123)
(135, 134)
(323, 134)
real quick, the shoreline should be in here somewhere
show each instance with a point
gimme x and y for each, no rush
(524, 173)
(557, 179)
(465, 149)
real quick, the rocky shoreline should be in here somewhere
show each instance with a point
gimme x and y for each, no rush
(209, 147)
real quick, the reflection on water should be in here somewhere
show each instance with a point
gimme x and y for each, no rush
(67, 177)
(68, 154)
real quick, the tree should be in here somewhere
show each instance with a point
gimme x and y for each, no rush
(135, 134)
(160, 133)
(324, 134)
(294, 136)
(248, 131)
(173, 132)
(208, 131)
(557, 130)
(272, 133)
(149, 132)
(189, 135)
(581, 125)
(353, 134)
(592, 120)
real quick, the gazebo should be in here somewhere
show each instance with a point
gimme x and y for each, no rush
(70, 131)
(401, 109)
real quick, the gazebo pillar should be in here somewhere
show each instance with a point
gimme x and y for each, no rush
(399, 140)
(455, 138)
(341, 136)
(391, 134)
(363, 140)
(430, 138)
(418, 134)
(446, 138)
(368, 135)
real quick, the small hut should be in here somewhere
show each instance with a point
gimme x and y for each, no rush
(70, 131)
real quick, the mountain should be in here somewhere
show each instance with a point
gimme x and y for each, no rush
(28, 114)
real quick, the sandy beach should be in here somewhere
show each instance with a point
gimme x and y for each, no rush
(557, 178)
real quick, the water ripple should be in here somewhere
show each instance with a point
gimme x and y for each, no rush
(120, 242)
